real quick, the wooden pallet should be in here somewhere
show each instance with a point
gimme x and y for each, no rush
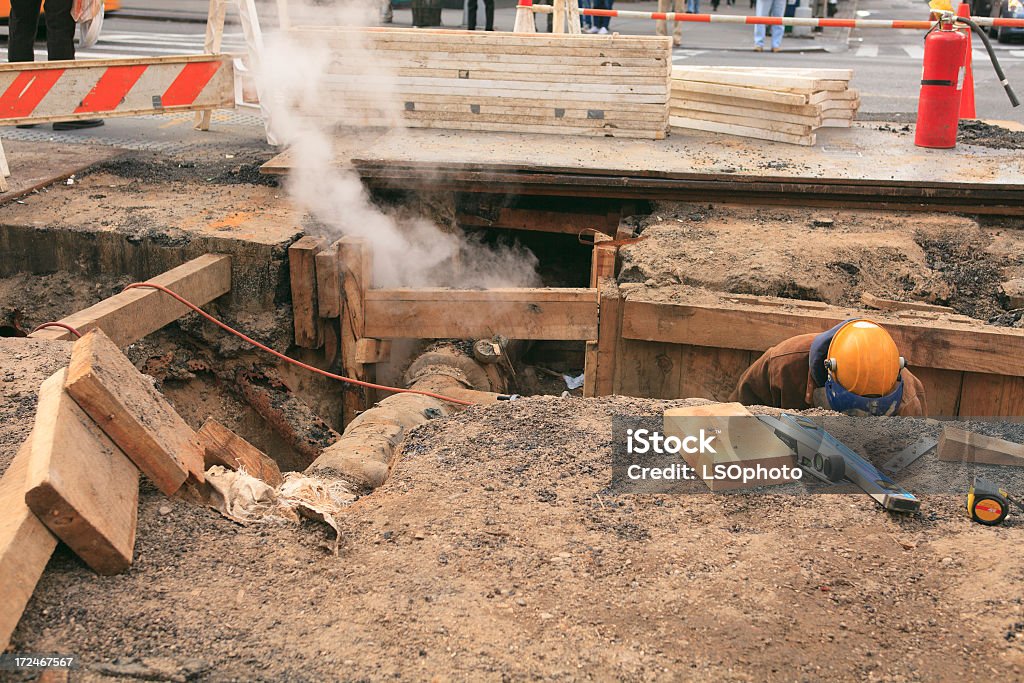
(782, 105)
(615, 86)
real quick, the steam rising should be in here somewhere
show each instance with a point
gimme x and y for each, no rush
(300, 78)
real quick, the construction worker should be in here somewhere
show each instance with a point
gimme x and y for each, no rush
(854, 368)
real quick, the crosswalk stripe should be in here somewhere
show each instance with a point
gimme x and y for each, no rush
(867, 51)
(914, 51)
(1017, 53)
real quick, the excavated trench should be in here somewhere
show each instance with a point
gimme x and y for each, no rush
(831, 256)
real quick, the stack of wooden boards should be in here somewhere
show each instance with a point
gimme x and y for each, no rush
(99, 422)
(782, 105)
(508, 82)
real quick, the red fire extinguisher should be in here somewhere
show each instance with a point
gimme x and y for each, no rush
(942, 81)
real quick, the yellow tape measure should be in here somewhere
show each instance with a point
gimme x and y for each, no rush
(987, 503)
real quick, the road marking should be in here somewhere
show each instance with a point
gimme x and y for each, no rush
(867, 51)
(1017, 53)
(914, 51)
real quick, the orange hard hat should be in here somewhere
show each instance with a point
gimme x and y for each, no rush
(864, 359)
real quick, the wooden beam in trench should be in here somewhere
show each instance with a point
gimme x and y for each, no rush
(438, 313)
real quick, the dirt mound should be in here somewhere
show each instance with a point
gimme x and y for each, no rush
(24, 364)
(988, 135)
(825, 255)
(496, 551)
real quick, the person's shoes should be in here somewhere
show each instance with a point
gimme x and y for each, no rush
(592, 29)
(76, 125)
(758, 48)
(27, 125)
(776, 49)
(677, 42)
(602, 30)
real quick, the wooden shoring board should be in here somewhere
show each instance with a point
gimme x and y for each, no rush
(552, 314)
(355, 273)
(126, 406)
(758, 80)
(960, 445)
(25, 545)
(135, 86)
(308, 326)
(933, 344)
(741, 130)
(692, 100)
(767, 123)
(135, 313)
(80, 484)
(742, 115)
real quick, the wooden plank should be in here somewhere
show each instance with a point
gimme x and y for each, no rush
(590, 370)
(540, 221)
(710, 372)
(991, 394)
(602, 263)
(370, 350)
(521, 99)
(356, 272)
(328, 283)
(135, 313)
(872, 301)
(609, 337)
(25, 545)
(133, 414)
(688, 100)
(743, 131)
(515, 61)
(650, 370)
(309, 329)
(941, 389)
(959, 445)
(755, 80)
(80, 484)
(935, 344)
(685, 87)
(765, 122)
(514, 88)
(740, 114)
(223, 447)
(562, 314)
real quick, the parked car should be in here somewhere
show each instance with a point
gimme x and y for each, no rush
(1007, 9)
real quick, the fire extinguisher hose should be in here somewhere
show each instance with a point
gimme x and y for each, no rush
(995, 62)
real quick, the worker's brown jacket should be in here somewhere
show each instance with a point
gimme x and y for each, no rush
(781, 378)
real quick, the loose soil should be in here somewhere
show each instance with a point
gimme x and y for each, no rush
(826, 255)
(988, 135)
(496, 551)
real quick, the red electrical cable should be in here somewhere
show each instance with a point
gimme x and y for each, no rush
(331, 375)
(61, 325)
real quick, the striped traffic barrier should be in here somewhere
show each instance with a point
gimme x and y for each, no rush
(44, 92)
(923, 25)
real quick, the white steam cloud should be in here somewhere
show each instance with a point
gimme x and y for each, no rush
(301, 74)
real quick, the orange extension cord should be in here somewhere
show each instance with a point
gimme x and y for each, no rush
(228, 328)
(63, 326)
